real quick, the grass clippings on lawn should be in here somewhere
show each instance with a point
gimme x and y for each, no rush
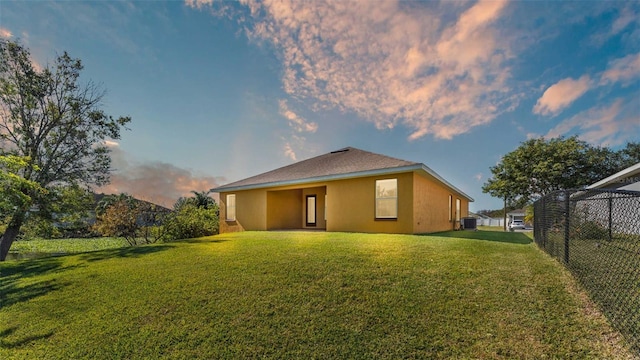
(303, 295)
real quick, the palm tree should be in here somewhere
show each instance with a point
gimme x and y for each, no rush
(203, 200)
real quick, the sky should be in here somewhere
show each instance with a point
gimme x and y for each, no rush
(220, 91)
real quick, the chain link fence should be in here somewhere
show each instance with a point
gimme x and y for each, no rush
(596, 235)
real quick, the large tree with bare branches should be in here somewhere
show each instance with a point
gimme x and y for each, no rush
(54, 123)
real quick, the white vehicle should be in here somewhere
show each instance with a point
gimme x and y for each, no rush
(516, 224)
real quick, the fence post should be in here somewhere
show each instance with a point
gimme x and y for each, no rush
(610, 217)
(543, 222)
(567, 224)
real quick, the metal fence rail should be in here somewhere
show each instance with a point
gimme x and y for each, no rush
(596, 235)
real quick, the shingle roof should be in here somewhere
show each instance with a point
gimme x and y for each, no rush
(340, 164)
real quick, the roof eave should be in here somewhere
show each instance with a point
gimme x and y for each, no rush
(632, 170)
(352, 175)
(426, 169)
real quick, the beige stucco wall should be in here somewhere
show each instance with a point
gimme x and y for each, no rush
(431, 205)
(251, 211)
(351, 205)
(284, 209)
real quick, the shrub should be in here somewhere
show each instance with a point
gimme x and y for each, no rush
(191, 221)
(120, 220)
(591, 230)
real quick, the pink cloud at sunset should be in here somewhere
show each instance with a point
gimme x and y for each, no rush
(433, 76)
(561, 94)
(157, 182)
(601, 125)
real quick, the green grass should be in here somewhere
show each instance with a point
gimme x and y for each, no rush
(43, 247)
(280, 295)
(610, 272)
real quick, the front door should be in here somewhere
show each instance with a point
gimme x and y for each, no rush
(311, 210)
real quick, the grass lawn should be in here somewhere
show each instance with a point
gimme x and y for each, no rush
(610, 272)
(486, 295)
(45, 247)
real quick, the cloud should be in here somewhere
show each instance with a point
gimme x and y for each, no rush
(561, 94)
(478, 177)
(289, 152)
(605, 125)
(622, 70)
(157, 182)
(5, 33)
(111, 144)
(295, 142)
(627, 16)
(295, 121)
(435, 68)
(198, 3)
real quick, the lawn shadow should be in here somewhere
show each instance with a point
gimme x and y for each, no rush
(200, 241)
(496, 236)
(13, 274)
(18, 343)
(125, 252)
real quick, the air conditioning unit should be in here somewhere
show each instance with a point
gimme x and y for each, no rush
(468, 223)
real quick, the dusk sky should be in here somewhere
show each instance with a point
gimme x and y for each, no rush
(219, 91)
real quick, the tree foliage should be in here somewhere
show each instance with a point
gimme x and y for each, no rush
(65, 214)
(55, 124)
(200, 199)
(193, 217)
(120, 219)
(191, 221)
(540, 166)
(15, 191)
(141, 222)
(134, 220)
(203, 200)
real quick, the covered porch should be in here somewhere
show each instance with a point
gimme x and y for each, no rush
(302, 208)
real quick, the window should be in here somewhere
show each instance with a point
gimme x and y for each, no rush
(387, 199)
(457, 209)
(450, 207)
(231, 207)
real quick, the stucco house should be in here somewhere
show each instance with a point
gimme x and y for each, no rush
(345, 190)
(517, 214)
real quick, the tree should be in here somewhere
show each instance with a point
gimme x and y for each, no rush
(540, 166)
(66, 213)
(120, 219)
(53, 122)
(630, 155)
(203, 200)
(193, 217)
(109, 200)
(138, 221)
(191, 221)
